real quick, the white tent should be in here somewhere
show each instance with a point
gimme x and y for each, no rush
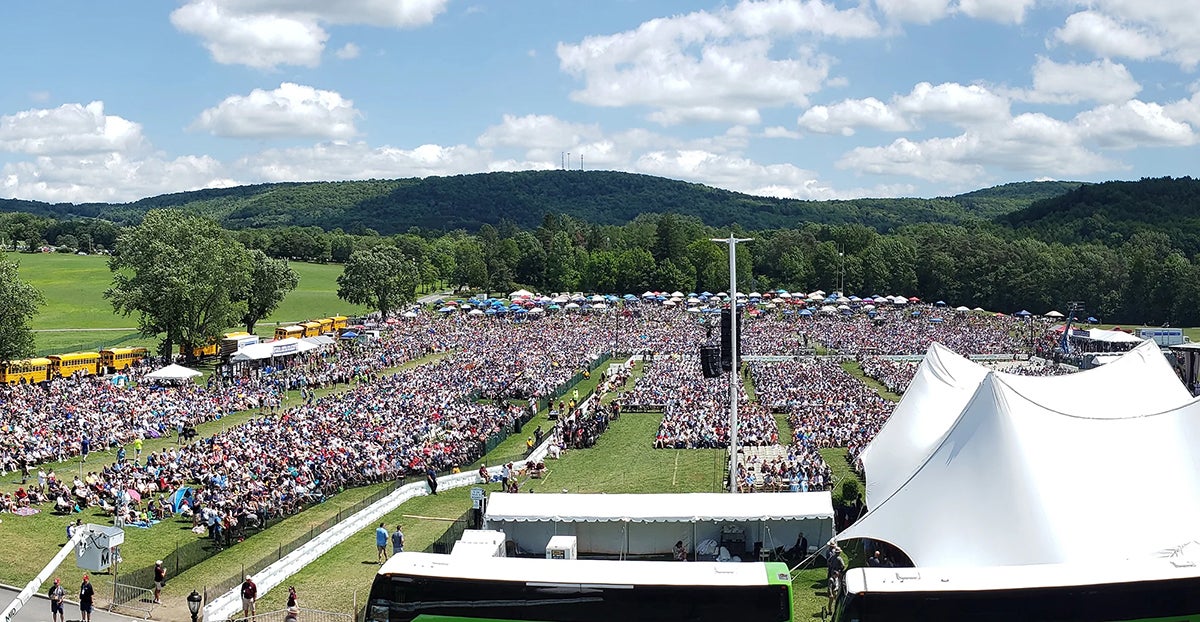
(173, 372)
(1017, 482)
(521, 293)
(320, 340)
(1141, 381)
(269, 349)
(1054, 314)
(1108, 336)
(651, 523)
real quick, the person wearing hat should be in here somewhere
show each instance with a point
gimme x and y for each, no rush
(57, 594)
(160, 580)
(86, 593)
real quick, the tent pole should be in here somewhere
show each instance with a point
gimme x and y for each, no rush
(695, 554)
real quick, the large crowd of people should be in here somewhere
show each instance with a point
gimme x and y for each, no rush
(383, 426)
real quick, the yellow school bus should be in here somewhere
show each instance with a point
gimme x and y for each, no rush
(283, 332)
(28, 370)
(340, 322)
(326, 325)
(115, 359)
(209, 349)
(63, 365)
(311, 329)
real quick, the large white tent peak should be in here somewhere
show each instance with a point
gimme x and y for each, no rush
(1016, 482)
(1140, 381)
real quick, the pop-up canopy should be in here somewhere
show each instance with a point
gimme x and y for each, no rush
(173, 372)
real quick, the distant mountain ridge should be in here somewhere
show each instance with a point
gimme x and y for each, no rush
(601, 197)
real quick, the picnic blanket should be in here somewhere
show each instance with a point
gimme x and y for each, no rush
(26, 511)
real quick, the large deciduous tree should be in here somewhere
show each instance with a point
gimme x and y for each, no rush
(382, 277)
(19, 301)
(270, 282)
(182, 275)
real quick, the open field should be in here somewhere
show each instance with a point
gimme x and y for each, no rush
(74, 285)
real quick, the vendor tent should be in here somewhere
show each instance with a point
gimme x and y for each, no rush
(279, 347)
(633, 524)
(1106, 336)
(1014, 481)
(1140, 381)
(173, 372)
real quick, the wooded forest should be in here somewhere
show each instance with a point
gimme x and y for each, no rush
(1127, 250)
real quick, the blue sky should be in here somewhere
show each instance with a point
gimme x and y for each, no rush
(808, 98)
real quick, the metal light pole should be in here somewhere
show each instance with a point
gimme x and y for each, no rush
(733, 373)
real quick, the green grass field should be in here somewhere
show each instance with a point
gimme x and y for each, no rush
(74, 285)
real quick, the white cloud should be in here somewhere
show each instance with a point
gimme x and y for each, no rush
(1138, 29)
(535, 131)
(1105, 36)
(778, 131)
(717, 66)
(358, 160)
(292, 110)
(1133, 124)
(1068, 83)
(108, 177)
(69, 129)
(269, 33)
(918, 11)
(348, 51)
(734, 172)
(1025, 143)
(40, 97)
(843, 117)
(954, 103)
(1003, 11)
(1185, 110)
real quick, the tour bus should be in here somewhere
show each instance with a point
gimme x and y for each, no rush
(27, 371)
(1158, 589)
(340, 322)
(284, 332)
(311, 329)
(64, 365)
(431, 586)
(114, 360)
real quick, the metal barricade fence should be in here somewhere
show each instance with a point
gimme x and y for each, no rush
(304, 615)
(132, 598)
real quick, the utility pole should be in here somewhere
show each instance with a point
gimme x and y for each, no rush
(734, 375)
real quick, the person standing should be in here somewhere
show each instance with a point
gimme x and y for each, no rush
(160, 580)
(57, 594)
(397, 541)
(431, 478)
(381, 540)
(86, 594)
(249, 596)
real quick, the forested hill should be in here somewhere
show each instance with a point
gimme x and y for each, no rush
(1112, 212)
(602, 197)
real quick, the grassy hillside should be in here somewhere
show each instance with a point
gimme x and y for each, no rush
(602, 197)
(77, 317)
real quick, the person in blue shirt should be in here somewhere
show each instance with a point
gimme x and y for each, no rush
(381, 542)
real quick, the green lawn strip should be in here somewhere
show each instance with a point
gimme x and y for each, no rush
(835, 457)
(748, 385)
(343, 575)
(228, 563)
(785, 428)
(854, 369)
(809, 593)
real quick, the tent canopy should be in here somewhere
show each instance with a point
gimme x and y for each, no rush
(1016, 482)
(266, 350)
(945, 382)
(173, 372)
(658, 507)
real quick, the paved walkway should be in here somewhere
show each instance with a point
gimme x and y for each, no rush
(38, 608)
